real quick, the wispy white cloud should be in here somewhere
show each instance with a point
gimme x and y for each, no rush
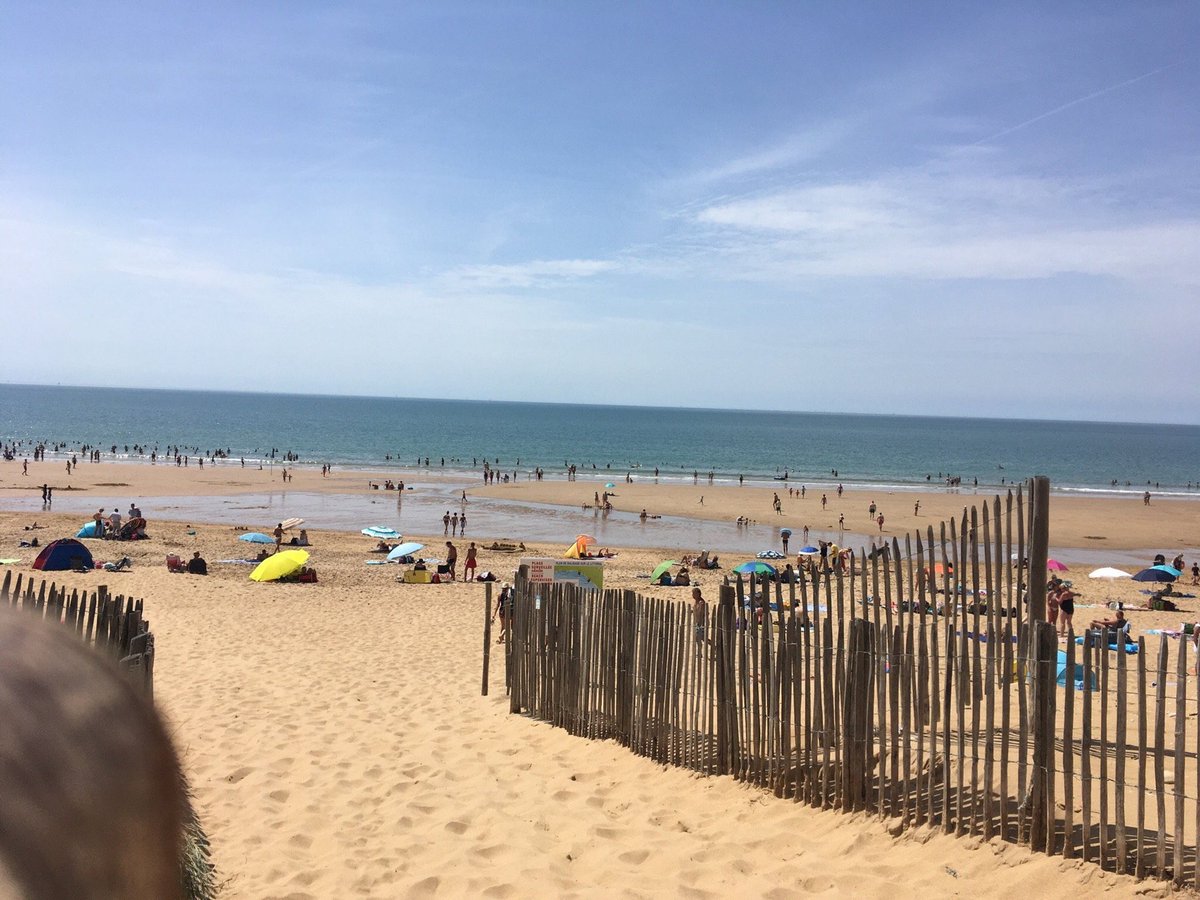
(532, 274)
(1004, 132)
(953, 226)
(805, 145)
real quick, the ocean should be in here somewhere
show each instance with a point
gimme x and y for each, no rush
(894, 452)
(890, 453)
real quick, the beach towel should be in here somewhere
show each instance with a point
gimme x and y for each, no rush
(1128, 648)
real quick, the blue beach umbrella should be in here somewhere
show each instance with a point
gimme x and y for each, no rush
(785, 531)
(1170, 570)
(256, 537)
(381, 532)
(1156, 574)
(408, 548)
(610, 485)
(754, 568)
(809, 551)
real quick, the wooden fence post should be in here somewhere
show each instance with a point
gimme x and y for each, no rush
(726, 688)
(487, 634)
(1043, 648)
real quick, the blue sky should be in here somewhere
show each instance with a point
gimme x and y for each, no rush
(956, 209)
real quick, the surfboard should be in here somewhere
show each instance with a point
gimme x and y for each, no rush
(291, 523)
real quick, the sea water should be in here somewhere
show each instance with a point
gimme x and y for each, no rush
(608, 442)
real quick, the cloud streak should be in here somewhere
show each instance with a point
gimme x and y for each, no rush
(1071, 103)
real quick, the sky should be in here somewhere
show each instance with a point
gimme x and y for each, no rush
(928, 208)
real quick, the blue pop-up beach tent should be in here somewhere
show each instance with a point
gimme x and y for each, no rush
(1077, 680)
(64, 554)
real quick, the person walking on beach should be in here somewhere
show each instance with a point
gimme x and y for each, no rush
(1146, 499)
(278, 532)
(503, 610)
(454, 524)
(879, 522)
(917, 508)
(462, 524)
(824, 501)
(451, 558)
(805, 535)
(446, 523)
(470, 564)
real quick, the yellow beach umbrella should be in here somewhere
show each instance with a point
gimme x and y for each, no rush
(280, 565)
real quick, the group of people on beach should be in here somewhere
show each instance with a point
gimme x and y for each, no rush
(454, 523)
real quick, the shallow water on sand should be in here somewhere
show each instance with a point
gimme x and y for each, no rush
(421, 509)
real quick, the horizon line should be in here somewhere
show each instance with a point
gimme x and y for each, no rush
(705, 409)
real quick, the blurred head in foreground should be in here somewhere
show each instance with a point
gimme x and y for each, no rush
(91, 801)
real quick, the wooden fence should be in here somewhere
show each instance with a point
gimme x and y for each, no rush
(112, 624)
(911, 684)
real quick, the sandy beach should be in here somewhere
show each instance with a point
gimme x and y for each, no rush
(338, 744)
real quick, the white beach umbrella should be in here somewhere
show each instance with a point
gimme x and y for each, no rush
(1110, 573)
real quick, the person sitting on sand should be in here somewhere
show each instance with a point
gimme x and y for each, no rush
(197, 565)
(262, 554)
(1116, 627)
(419, 566)
(383, 547)
(683, 579)
(303, 542)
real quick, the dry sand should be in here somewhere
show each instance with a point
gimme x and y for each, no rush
(339, 746)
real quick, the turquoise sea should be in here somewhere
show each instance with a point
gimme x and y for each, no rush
(889, 453)
(378, 432)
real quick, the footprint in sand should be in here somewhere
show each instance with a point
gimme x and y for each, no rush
(426, 887)
(279, 796)
(634, 857)
(456, 827)
(500, 890)
(303, 841)
(238, 774)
